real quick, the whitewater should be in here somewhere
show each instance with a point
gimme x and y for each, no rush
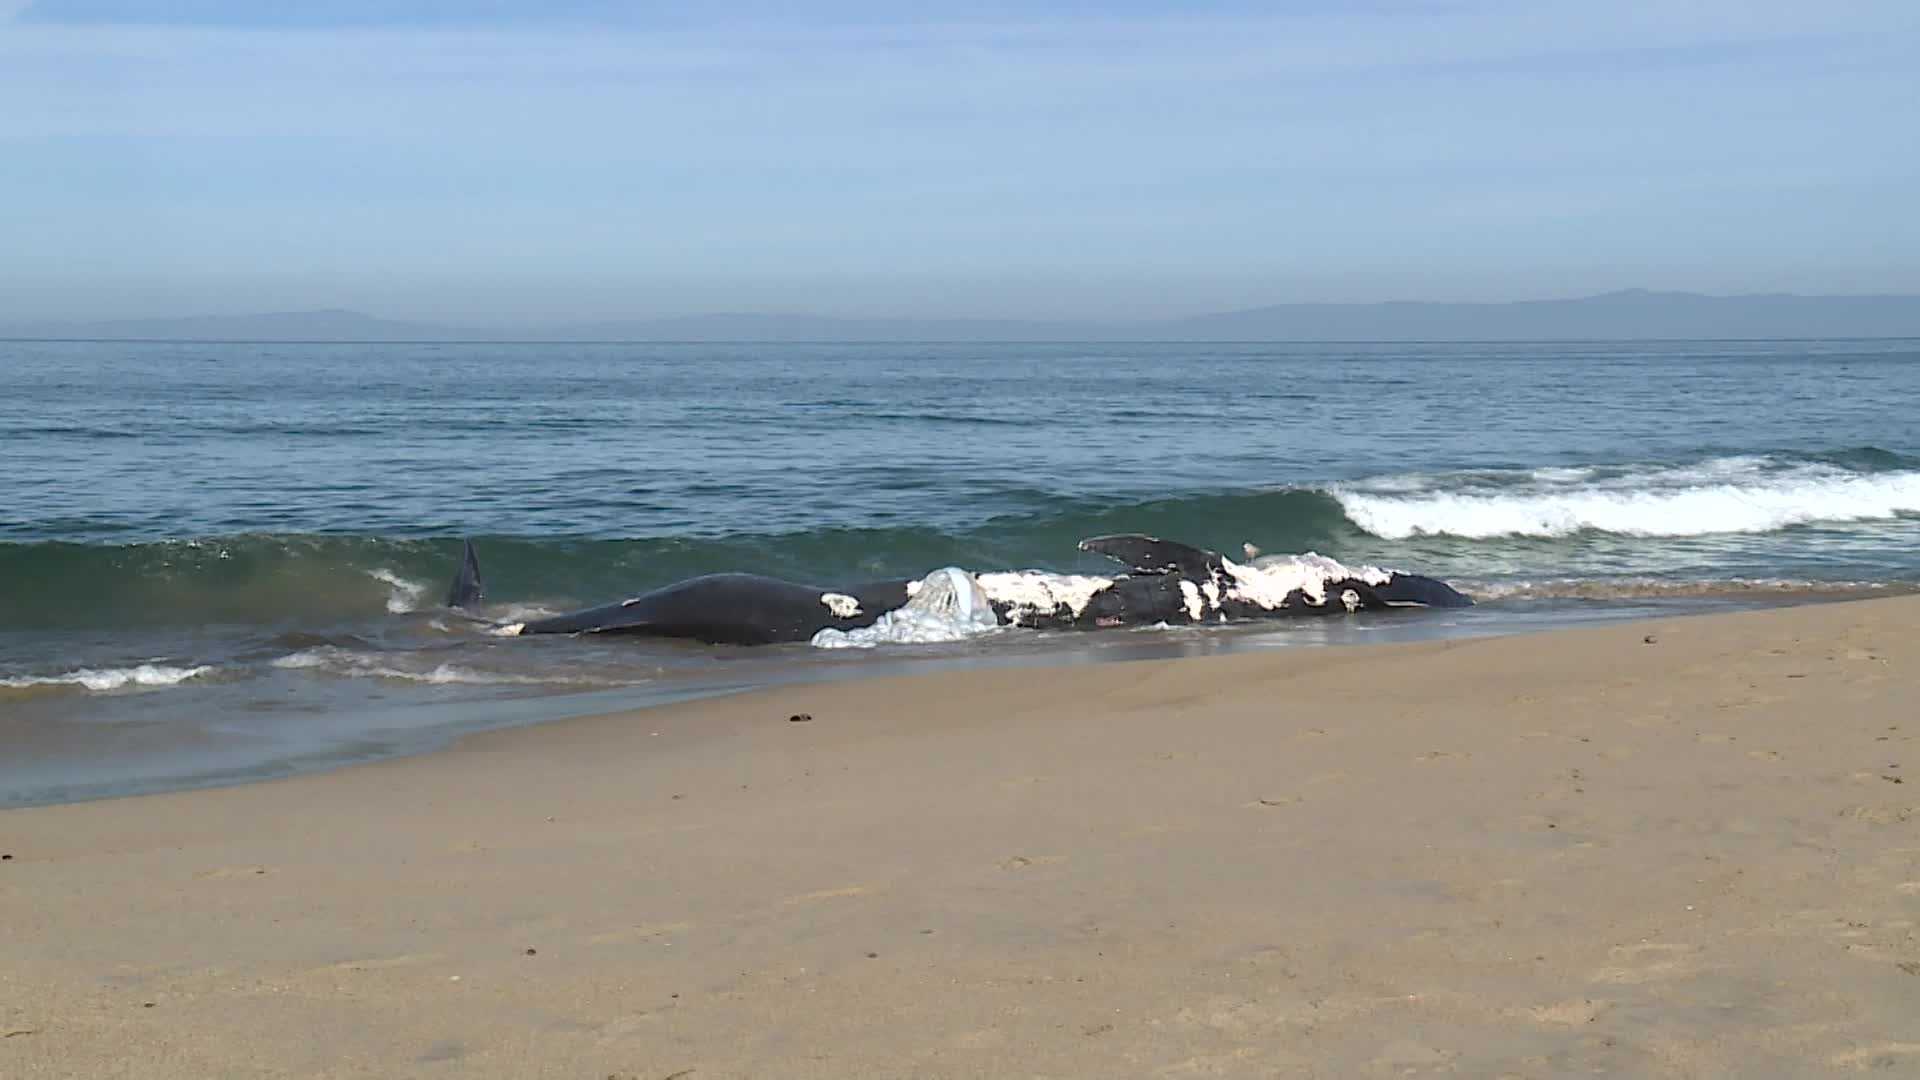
(1717, 496)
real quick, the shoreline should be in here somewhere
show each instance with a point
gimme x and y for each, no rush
(1678, 847)
(81, 748)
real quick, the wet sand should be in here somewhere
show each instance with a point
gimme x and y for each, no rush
(1678, 848)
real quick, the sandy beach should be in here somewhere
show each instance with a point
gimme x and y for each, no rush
(1680, 848)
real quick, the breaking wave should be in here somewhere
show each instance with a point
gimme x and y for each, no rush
(403, 595)
(1419, 520)
(1726, 495)
(98, 680)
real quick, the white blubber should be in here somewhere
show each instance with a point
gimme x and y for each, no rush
(1269, 580)
(1028, 592)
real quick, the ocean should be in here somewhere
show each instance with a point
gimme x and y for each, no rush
(222, 562)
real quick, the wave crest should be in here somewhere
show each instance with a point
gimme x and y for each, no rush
(140, 676)
(1734, 495)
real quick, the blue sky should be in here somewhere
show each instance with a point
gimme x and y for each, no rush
(502, 161)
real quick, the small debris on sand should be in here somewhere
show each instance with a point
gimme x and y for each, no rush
(1651, 640)
(799, 718)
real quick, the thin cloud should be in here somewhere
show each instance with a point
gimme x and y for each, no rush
(1183, 161)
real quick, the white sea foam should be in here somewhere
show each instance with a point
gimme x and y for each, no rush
(507, 620)
(1641, 588)
(147, 676)
(1726, 495)
(524, 613)
(1562, 475)
(948, 605)
(403, 595)
(333, 660)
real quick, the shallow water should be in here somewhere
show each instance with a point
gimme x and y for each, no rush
(222, 561)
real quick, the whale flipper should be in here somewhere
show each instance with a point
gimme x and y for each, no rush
(1150, 555)
(467, 588)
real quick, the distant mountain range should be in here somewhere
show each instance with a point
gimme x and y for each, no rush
(1635, 314)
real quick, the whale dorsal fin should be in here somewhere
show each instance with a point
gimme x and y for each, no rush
(1151, 555)
(467, 588)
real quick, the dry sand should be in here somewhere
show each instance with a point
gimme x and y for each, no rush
(1587, 851)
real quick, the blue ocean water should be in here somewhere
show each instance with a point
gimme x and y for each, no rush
(223, 559)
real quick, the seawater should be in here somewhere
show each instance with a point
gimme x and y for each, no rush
(220, 561)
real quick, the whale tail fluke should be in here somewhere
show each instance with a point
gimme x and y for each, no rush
(467, 588)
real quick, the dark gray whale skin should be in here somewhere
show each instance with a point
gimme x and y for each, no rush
(730, 609)
(719, 609)
(753, 609)
(1151, 591)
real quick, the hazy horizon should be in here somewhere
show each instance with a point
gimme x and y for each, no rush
(1627, 315)
(517, 163)
(386, 315)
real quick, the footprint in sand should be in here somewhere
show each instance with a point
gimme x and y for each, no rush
(1021, 862)
(1886, 1055)
(378, 963)
(445, 1050)
(1403, 1056)
(1564, 1014)
(1023, 781)
(827, 894)
(1231, 1063)
(1230, 1015)
(1646, 962)
(642, 932)
(1885, 814)
(981, 1039)
(1879, 954)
